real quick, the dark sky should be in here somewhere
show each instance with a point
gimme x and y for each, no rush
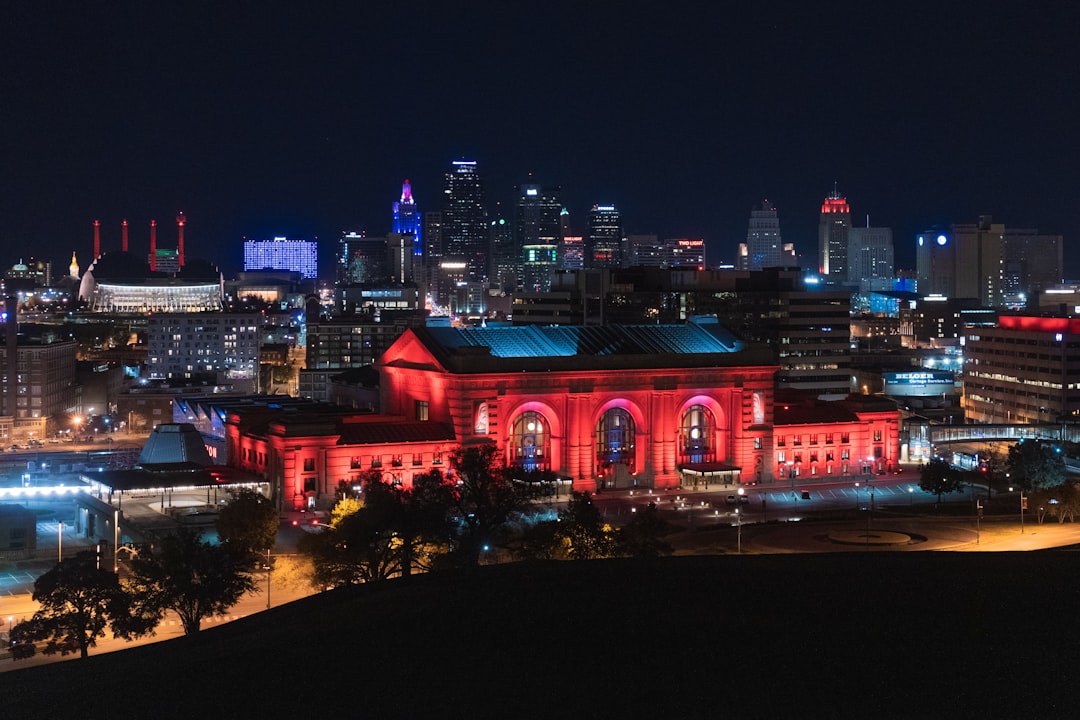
(272, 118)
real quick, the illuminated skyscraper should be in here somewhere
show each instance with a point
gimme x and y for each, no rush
(363, 260)
(464, 221)
(300, 256)
(605, 237)
(537, 231)
(505, 256)
(833, 227)
(407, 219)
(764, 247)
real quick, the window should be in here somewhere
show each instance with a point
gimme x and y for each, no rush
(796, 440)
(309, 484)
(615, 439)
(354, 463)
(828, 438)
(417, 459)
(436, 458)
(781, 440)
(813, 439)
(421, 407)
(396, 461)
(845, 454)
(309, 464)
(695, 435)
(781, 456)
(376, 461)
(757, 443)
(529, 441)
(877, 436)
(844, 439)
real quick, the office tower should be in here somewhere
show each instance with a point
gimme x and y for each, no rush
(605, 237)
(362, 259)
(300, 256)
(1033, 263)
(833, 227)
(870, 253)
(764, 246)
(572, 252)
(571, 245)
(505, 256)
(1021, 371)
(464, 219)
(537, 232)
(406, 219)
(433, 252)
(985, 260)
(685, 253)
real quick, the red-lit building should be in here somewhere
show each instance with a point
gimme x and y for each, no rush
(646, 406)
(610, 406)
(835, 439)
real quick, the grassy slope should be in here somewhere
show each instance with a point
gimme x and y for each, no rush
(882, 635)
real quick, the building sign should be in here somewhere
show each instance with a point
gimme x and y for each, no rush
(919, 383)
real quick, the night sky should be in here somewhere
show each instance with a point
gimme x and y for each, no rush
(263, 119)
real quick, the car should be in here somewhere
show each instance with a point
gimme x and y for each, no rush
(731, 500)
(16, 447)
(744, 499)
(805, 494)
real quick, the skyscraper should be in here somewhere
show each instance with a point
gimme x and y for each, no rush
(833, 227)
(407, 219)
(870, 253)
(505, 256)
(605, 237)
(362, 260)
(571, 246)
(764, 246)
(537, 232)
(465, 230)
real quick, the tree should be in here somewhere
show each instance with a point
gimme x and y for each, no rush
(588, 535)
(358, 547)
(644, 535)
(78, 600)
(1034, 464)
(939, 477)
(248, 522)
(190, 577)
(483, 498)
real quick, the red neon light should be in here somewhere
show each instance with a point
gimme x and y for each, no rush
(1040, 324)
(835, 205)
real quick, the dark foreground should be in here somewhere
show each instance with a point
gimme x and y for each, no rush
(922, 635)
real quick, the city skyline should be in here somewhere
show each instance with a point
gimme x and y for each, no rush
(307, 123)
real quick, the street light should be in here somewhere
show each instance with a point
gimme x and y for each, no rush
(59, 541)
(738, 521)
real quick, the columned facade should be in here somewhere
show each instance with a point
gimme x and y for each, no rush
(613, 421)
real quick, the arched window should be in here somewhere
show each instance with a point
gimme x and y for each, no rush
(696, 435)
(529, 441)
(615, 439)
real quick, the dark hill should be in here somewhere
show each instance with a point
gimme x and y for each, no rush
(882, 635)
